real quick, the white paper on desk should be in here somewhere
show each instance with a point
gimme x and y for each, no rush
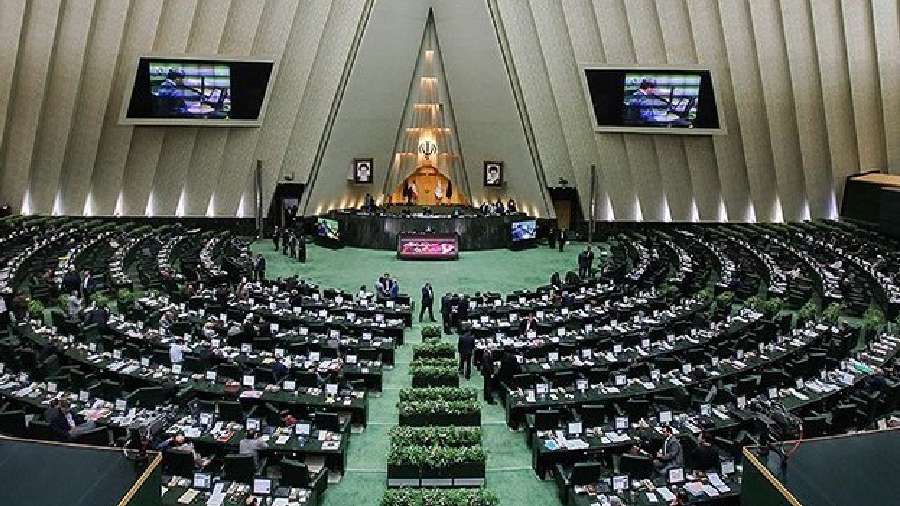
(651, 497)
(710, 490)
(217, 499)
(281, 501)
(665, 493)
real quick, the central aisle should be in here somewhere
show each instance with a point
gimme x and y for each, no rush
(509, 471)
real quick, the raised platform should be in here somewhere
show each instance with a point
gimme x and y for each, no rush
(380, 231)
(46, 473)
(873, 197)
(849, 470)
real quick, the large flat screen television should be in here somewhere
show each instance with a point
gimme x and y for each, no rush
(328, 228)
(523, 230)
(652, 100)
(170, 90)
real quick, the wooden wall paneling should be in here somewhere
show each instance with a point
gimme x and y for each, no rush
(567, 92)
(865, 85)
(41, 22)
(834, 81)
(63, 86)
(582, 44)
(189, 149)
(104, 39)
(886, 16)
(709, 42)
(324, 77)
(238, 162)
(643, 165)
(778, 103)
(241, 28)
(106, 195)
(287, 95)
(664, 153)
(153, 147)
(531, 68)
(614, 48)
(700, 184)
(808, 106)
(12, 15)
(740, 47)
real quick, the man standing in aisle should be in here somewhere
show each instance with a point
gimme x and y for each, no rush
(427, 302)
(487, 372)
(276, 235)
(465, 347)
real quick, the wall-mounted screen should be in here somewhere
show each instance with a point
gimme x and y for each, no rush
(524, 230)
(328, 228)
(647, 100)
(198, 92)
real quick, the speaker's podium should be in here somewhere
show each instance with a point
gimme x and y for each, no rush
(848, 470)
(57, 474)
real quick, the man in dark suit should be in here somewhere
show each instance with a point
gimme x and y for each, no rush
(427, 302)
(71, 281)
(301, 249)
(670, 455)
(583, 268)
(561, 239)
(487, 371)
(465, 347)
(260, 268)
(276, 235)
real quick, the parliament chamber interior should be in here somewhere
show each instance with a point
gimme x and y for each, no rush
(623, 252)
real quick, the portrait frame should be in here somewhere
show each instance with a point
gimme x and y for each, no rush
(363, 170)
(493, 173)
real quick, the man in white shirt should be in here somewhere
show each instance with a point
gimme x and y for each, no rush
(176, 352)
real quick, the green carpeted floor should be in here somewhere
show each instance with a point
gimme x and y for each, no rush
(509, 471)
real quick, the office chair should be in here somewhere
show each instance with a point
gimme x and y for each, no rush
(327, 421)
(306, 379)
(94, 437)
(179, 463)
(637, 467)
(294, 474)
(586, 473)
(238, 467)
(230, 411)
(815, 426)
(592, 415)
(12, 423)
(546, 419)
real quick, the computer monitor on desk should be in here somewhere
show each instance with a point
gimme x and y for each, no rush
(262, 486)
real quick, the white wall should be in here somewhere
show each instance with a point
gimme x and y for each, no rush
(808, 90)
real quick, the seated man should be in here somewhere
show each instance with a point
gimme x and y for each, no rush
(251, 445)
(180, 442)
(705, 457)
(670, 455)
(62, 423)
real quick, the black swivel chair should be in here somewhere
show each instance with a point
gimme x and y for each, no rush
(179, 463)
(230, 411)
(592, 415)
(12, 423)
(637, 467)
(239, 467)
(295, 474)
(546, 419)
(327, 421)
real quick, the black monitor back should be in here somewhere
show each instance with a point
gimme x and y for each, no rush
(586, 473)
(637, 467)
(546, 419)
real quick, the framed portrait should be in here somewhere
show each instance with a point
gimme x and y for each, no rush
(363, 170)
(493, 173)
